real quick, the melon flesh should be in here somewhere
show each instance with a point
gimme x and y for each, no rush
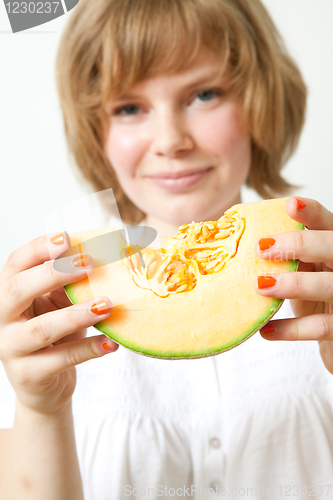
(216, 313)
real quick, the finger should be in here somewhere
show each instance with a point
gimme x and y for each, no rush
(307, 246)
(44, 330)
(315, 327)
(42, 366)
(57, 299)
(17, 294)
(310, 213)
(65, 356)
(34, 253)
(53, 301)
(297, 285)
(79, 334)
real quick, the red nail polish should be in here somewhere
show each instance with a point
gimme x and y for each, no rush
(268, 329)
(58, 239)
(99, 307)
(266, 243)
(266, 282)
(81, 260)
(300, 204)
(106, 346)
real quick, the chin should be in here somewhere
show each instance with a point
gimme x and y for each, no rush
(185, 214)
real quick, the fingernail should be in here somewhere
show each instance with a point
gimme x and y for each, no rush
(100, 307)
(106, 346)
(300, 204)
(266, 282)
(268, 329)
(81, 260)
(58, 239)
(266, 243)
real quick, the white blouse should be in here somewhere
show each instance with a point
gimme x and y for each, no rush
(253, 422)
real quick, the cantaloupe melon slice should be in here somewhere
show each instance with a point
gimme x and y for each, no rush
(199, 298)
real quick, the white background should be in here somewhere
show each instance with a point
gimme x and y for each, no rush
(35, 176)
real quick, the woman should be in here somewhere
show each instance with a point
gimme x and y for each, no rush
(175, 105)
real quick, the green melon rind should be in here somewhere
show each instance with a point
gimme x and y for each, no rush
(271, 310)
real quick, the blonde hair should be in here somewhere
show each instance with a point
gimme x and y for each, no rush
(109, 45)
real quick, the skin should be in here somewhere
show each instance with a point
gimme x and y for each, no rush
(176, 123)
(42, 339)
(310, 290)
(181, 125)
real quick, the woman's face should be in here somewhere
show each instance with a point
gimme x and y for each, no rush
(178, 145)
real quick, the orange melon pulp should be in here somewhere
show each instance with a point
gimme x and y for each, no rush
(194, 297)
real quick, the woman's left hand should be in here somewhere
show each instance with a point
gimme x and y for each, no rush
(311, 287)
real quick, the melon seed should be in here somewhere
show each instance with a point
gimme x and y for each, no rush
(219, 267)
(136, 261)
(150, 259)
(205, 231)
(225, 219)
(152, 270)
(127, 263)
(203, 254)
(211, 264)
(224, 225)
(222, 234)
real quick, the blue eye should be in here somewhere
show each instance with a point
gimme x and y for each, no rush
(207, 95)
(128, 110)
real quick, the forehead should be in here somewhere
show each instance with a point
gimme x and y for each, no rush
(207, 68)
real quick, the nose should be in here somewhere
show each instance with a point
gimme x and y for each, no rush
(172, 137)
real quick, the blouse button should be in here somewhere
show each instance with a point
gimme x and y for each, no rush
(215, 443)
(216, 486)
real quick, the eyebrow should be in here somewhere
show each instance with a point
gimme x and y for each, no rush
(208, 79)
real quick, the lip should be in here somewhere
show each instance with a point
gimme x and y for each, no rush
(179, 180)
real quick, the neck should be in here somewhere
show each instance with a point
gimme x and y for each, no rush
(169, 229)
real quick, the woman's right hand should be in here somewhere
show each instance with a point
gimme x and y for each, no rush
(42, 336)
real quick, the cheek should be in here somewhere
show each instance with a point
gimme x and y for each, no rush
(124, 151)
(226, 137)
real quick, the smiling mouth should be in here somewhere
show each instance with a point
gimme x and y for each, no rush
(177, 175)
(180, 180)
